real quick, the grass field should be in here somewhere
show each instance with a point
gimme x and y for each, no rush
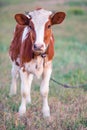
(68, 106)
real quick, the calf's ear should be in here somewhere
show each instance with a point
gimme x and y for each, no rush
(57, 18)
(22, 19)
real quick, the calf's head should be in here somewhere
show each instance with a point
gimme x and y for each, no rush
(38, 25)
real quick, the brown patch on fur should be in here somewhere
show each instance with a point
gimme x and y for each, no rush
(15, 46)
(47, 32)
(26, 52)
(19, 49)
(50, 50)
(49, 40)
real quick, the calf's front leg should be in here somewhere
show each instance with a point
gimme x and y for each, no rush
(26, 80)
(44, 89)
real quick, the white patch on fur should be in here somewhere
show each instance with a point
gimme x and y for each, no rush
(24, 36)
(39, 19)
(35, 66)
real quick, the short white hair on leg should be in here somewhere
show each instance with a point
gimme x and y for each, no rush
(26, 80)
(44, 90)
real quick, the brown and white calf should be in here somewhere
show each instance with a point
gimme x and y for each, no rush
(31, 52)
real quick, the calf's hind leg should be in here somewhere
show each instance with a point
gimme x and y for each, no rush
(14, 73)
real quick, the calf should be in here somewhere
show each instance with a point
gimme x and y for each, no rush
(31, 52)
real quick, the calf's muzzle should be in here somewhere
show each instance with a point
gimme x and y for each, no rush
(38, 47)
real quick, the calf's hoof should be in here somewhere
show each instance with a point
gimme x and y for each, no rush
(22, 110)
(46, 112)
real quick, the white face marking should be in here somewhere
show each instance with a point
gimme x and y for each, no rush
(39, 19)
(24, 36)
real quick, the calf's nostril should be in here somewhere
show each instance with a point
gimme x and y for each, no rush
(35, 47)
(38, 47)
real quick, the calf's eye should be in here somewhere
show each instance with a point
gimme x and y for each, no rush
(49, 26)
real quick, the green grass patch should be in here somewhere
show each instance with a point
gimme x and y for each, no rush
(69, 64)
(76, 11)
(83, 121)
(3, 48)
(76, 3)
(10, 2)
